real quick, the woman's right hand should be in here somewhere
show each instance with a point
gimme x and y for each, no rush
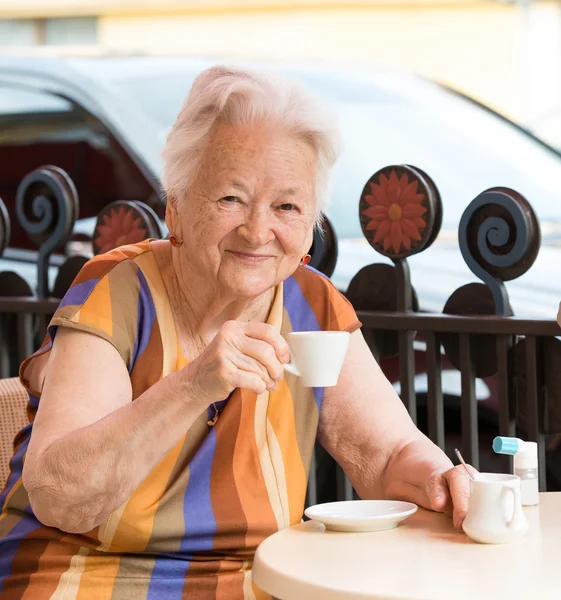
(242, 355)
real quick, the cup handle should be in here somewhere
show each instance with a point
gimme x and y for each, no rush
(517, 513)
(291, 368)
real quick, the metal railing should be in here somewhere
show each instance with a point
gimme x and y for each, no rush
(401, 214)
(499, 239)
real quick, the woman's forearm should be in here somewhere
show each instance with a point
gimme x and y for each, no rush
(81, 478)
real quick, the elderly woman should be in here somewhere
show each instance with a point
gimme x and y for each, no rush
(166, 442)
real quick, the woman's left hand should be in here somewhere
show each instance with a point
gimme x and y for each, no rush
(448, 492)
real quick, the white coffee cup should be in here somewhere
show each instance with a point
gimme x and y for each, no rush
(317, 356)
(495, 514)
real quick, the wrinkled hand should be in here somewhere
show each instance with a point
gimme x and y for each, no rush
(448, 492)
(244, 355)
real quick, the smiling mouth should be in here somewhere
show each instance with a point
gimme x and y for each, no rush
(248, 257)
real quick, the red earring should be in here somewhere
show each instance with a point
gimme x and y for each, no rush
(174, 241)
(306, 260)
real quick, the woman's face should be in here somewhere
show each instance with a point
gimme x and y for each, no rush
(248, 217)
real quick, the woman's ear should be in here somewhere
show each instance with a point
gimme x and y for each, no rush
(172, 218)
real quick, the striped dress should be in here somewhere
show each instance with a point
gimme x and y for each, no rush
(190, 530)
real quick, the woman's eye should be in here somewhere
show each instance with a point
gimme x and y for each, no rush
(287, 206)
(230, 199)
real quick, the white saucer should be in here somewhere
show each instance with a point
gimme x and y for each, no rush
(361, 515)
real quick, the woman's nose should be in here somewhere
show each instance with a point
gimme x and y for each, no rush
(257, 229)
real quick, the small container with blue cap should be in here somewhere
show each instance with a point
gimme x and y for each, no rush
(525, 465)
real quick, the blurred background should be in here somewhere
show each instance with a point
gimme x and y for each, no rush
(466, 91)
(505, 54)
(469, 91)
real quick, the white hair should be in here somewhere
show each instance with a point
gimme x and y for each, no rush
(241, 97)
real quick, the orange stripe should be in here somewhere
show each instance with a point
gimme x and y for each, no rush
(331, 309)
(201, 580)
(231, 522)
(98, 577)
(26, 561)
(282, 419)
(136, 523)
(230, 584)
(248, 475)
(97, 311)
(100, 265)
(54, 561)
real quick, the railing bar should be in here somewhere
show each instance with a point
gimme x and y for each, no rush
(21, 334)
(470, 445)
(442, 323)
(28, 334)
(507, 423)
(407, 372)
(28, 304)
(4, 348)
(41, 321)
(534, 420)
(435, 406)
(312, 491)
(344, 487)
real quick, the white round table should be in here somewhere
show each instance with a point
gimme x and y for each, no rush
(424, 558)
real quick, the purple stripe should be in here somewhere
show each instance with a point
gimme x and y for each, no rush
(79, 293)
(10, 544)
(168, 576)
(16, 465)
(318, 393)
(33, 401)
(302, 317)
(146, 318)
(300, 313)
(200, 523)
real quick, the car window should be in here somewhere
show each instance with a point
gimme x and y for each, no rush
(16, 101)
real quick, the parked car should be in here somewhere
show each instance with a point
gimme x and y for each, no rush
(104, 120)
(547, 126)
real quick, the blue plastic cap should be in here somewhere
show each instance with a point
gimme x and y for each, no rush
(506, 445)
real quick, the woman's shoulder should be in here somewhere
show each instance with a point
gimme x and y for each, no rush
(308, 291)
(125, 259)
(111, 295)
(308, 277)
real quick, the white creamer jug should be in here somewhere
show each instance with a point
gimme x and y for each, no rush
(495, 514)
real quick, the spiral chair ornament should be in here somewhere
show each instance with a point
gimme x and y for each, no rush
(499, 238)
(47, 208)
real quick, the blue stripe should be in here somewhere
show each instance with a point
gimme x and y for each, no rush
(168, 578)
(200, 523)
(302, 317)
(169, 573)
(78, 294)
(10, 544)
(16, 465)
(33, 402)
(146, 318)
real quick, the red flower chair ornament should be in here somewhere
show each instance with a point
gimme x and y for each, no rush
(124, 222)
(400, 211)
